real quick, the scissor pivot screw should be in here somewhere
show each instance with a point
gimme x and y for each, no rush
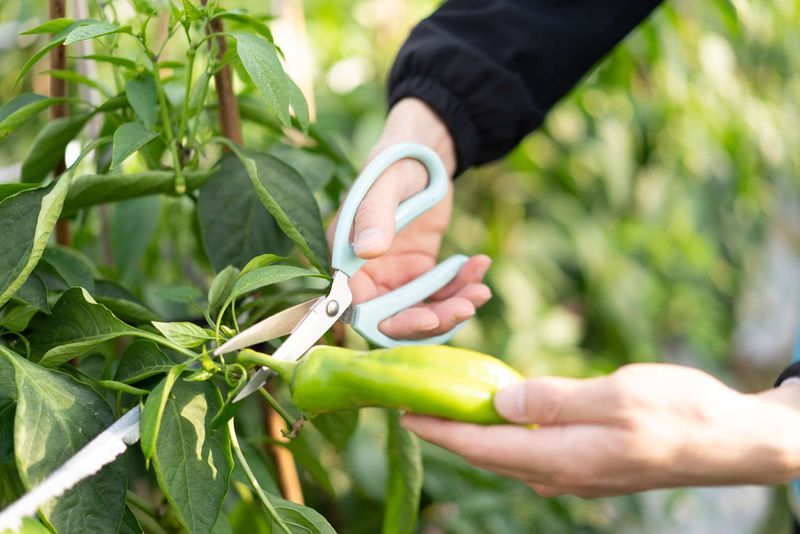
(332, 308)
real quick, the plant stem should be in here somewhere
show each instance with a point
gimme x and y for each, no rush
(169, 344)
(252, 478)
(277, 407)
(141, 504)
(191, 53)
(180, 181)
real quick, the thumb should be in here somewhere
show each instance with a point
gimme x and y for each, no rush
(551, 400)
(374, 225)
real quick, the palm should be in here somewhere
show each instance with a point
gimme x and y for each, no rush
(413, 252)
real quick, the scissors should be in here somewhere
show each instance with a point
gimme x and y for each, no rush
(307, 322)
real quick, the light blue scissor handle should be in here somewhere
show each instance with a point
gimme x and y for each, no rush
(368, 315)
(343, 258)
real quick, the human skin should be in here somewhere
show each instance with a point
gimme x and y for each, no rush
(645, 426)
(395, 259)
(642, 427)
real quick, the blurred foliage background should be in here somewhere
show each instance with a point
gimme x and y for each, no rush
(655, 216)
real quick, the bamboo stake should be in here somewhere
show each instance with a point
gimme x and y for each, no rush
(58, 89)
(230, 121)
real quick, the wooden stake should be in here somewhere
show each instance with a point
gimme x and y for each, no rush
(58, 89)
(284, 461)
(229, 119)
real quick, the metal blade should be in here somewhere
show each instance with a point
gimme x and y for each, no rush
(102, 450)
(313, 326)
(278, 325)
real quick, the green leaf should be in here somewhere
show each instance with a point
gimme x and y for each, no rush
(72, 267)
(129, 138)
(113, 60)
(267, 276)
(50, 26)
(262, 260)
(8, 387)
(221, 288)
(20, 109)
(94, 30)
(68, 414)
(92, 189)
(142, 359)
(76, 77)
(15, 317)
(141, 92)
(34, 293)
(153, 411)
(129, 524)
(260, 59)
(27, 219)
(34, 59)
(191, 11)
(233, 223)
(133, 225)
(76, 325)
(7, 190)
(193, 466)
(337, 427)
(300, 519)
(30, 526)
(199, 92)
(187, 335)
(185, 294)
(11, 487)
(248, 20)
(47, 149)
(287, 197)
(405, 478)
(122, 302)
(297, 101)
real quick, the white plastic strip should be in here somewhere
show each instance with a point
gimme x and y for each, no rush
(102, 450)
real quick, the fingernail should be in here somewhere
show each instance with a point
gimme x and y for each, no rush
(464, 316)
(369, 239)
(429, 324)
(483, 270)
(510, 402)
(485, 294)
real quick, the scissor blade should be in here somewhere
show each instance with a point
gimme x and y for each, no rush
(275, 326)
(319, 320)
(313, 327)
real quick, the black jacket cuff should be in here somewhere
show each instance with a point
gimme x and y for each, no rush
(793, 371)
(450, 109)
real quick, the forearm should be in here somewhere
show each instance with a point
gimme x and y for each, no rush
(492, 70)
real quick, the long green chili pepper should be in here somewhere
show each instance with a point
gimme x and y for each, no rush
(433, 380)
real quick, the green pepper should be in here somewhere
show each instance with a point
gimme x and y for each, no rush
(432, 380)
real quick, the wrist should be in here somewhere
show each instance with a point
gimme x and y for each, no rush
(412, 120)
(783, 404)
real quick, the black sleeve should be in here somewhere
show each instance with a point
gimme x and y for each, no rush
(492, 69)
(793, 371)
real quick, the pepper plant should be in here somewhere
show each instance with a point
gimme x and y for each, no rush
(180, 237)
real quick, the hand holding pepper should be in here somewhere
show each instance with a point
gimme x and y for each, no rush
(645, 426)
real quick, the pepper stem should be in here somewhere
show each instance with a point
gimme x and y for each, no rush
(284, 369)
